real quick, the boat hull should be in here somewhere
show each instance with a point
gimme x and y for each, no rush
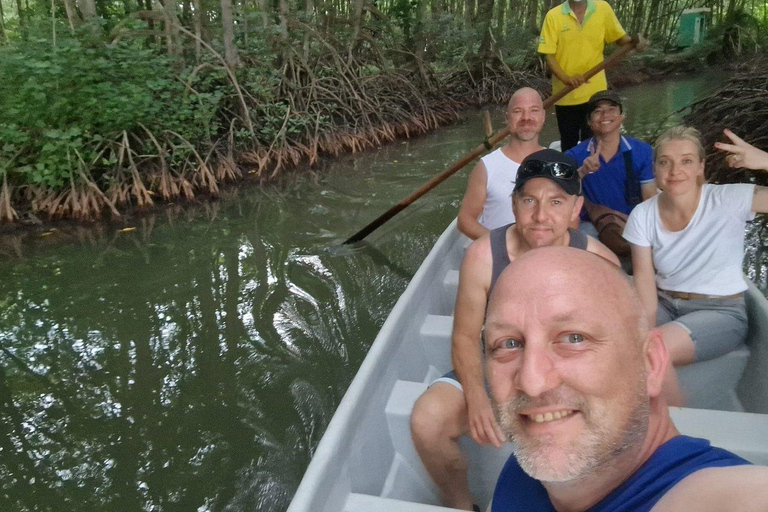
(366, 460)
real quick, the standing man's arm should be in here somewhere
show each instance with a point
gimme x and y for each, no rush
(548, 41)
(554, 66)
(466, 353)
(473, 202)
(640, 42)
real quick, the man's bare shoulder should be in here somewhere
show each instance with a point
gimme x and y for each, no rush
(735, 489)
(478, 253)
(596, 246)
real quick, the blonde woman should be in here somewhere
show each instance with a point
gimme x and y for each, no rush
(687, 247)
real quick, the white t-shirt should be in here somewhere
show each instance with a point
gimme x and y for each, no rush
(705, 257)
(501, 173)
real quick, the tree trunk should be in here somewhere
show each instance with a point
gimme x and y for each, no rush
(437, 7)
(310, 10)
(53, 22)
(71, 18)
(227, 21)
(186, 12)
(650, 25)
(357, 21)
(3, 37)
(87, 9)
(469, 13)
(533, 11)
(420, 40)
(484, 16)
(501, 7)
(637, 18)
(264, 11)
(22, 20)
(198, 29)
(283, 12)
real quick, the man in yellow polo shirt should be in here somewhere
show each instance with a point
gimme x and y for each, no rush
(573, 38)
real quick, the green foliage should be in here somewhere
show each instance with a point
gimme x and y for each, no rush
(450, 41)
(742, 34)
(57, 105)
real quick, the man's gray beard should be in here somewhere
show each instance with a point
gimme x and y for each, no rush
(525, 137)
(599, 445)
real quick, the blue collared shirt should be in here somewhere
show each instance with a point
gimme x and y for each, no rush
(607, 186)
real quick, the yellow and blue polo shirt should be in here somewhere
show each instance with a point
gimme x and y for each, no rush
(579, 47)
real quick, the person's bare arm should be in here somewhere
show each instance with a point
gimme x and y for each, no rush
(644, 276)
(760, 200)
(554, 66)
(735, 489)
(744, 155)
(597, 247)
(642, 42)
(473, 202)
(466, 355)
(649, 189)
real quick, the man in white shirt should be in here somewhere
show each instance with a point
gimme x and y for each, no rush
(487, 203)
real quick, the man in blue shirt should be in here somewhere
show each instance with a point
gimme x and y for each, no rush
(616, 171)
(577, 387)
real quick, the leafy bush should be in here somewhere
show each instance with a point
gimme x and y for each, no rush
(58, 104)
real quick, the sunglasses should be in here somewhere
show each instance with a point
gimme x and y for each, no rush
(559, 170)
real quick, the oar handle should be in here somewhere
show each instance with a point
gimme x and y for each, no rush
(479, 150)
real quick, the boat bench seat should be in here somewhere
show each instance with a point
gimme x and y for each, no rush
(712, 384)
(435, 334)
(364, 502)
(407, 479)
(743, 433)
(451, 283)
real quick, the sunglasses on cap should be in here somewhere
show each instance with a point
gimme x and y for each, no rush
(557, 170)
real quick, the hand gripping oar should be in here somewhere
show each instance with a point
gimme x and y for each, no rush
(479, 150)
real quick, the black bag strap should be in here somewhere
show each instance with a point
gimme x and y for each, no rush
(632, 192)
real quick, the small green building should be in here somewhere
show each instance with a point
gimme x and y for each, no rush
(693, 27)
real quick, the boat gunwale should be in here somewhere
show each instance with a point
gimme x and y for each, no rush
(331, 447)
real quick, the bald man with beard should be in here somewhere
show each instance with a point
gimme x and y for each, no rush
(576, 386)
(486, 204)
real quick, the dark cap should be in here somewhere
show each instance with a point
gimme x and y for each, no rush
(551, 164)
(604, 96)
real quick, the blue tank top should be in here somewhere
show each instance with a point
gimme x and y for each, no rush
(672, 461)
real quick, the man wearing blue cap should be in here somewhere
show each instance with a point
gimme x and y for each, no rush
(616, 171)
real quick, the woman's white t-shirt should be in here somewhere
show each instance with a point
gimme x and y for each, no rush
(705, 257)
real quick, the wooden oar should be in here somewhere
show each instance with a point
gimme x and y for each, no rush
(479, 150)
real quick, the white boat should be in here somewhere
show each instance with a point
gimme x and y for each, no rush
(366, 461)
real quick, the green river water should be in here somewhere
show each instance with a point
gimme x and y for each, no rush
(192, 364)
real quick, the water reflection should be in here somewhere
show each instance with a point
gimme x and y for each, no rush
(194, 363)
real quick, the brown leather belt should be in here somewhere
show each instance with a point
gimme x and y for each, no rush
(699, 296)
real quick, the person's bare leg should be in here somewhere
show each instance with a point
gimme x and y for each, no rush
(681, 352)
(438, 419)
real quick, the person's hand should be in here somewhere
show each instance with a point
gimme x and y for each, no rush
(742, 154)
(642, 43)
(482, 423)
(592, 162)
(574, 80)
